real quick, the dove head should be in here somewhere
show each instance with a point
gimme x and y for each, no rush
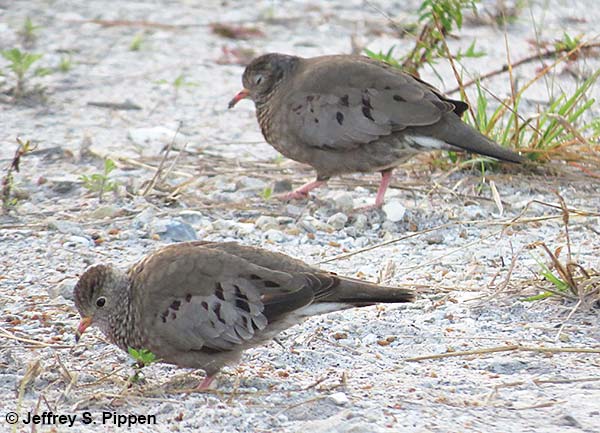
(100, 292)
(263, 76)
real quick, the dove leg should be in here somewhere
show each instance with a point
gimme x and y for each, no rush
(303, 191)
(205, 384)
(386, 178)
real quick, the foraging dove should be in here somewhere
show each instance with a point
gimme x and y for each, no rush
(201, 304)
(344, 114)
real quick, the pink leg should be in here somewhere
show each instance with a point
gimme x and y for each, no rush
(205, 384)
(303, 191)
(386, 178)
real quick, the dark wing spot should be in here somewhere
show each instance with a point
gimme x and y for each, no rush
(245, 321)
(217, 310)
(243, 305)
(310, 98)
(188, 298)
(367, 113)
(316, 120)
(239, 293)
(344, 100)
(208, 350)
(269, 283)
(254, 277)
(219, 291)
(328, 147)
(366, 101)
(204, 305)
(255, 326)
(173, 316)
(387, 88)
(339, 117)
(175, 305)
(399, 98)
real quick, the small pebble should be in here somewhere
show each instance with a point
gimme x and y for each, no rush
(265, 222)
(251, 183)
(338, 220)
(78, 241)
(275, 235)
(283, 185)
(191, 216)
(174, 231)
(360, 222)
(344, 201)
(66, 227)
(434, 238)
(339, 398)
(394, 210)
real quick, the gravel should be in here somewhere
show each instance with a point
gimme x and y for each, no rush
(352, 371)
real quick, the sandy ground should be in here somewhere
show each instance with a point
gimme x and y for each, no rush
(356, 371)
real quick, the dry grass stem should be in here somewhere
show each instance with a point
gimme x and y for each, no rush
(511, 348)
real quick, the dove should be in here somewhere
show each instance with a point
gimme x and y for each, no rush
(346, 113)
(202, 304)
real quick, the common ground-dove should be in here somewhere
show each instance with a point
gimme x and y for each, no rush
(201, 304)
(344, 114)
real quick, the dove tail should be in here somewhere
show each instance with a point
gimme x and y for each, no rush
(362, 293)
(457, 133)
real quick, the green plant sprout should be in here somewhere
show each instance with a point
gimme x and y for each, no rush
(20, 63)
(65, 64)
(266, 193)
(136, 42)
(28, 32)
(99, 182)
(142, 358)
(178, 83)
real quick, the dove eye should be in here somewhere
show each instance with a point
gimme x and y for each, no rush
(258, 79)
(100, 301)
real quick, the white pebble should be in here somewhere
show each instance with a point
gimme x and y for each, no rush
(274, 235)
(339, 398)
(394, 210)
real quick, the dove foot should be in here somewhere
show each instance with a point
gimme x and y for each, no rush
(205, 385)
(302, 192)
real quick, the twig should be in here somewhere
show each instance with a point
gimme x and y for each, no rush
(34, 342)
(455, 250)
(548, 381)
(156, 176)
(539, 405)
(382, 244)
(130, 23)
(7, 182)
(564, 323)
(457, 76)
(513, 347)
(310, 400)
(533, 57)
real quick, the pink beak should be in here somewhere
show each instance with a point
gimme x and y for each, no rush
(83, 325)
(242, 94)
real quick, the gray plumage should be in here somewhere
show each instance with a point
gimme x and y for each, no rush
(201, 304)
(343, 114)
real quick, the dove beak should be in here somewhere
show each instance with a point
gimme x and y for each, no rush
(83, 325)
(242, 94)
